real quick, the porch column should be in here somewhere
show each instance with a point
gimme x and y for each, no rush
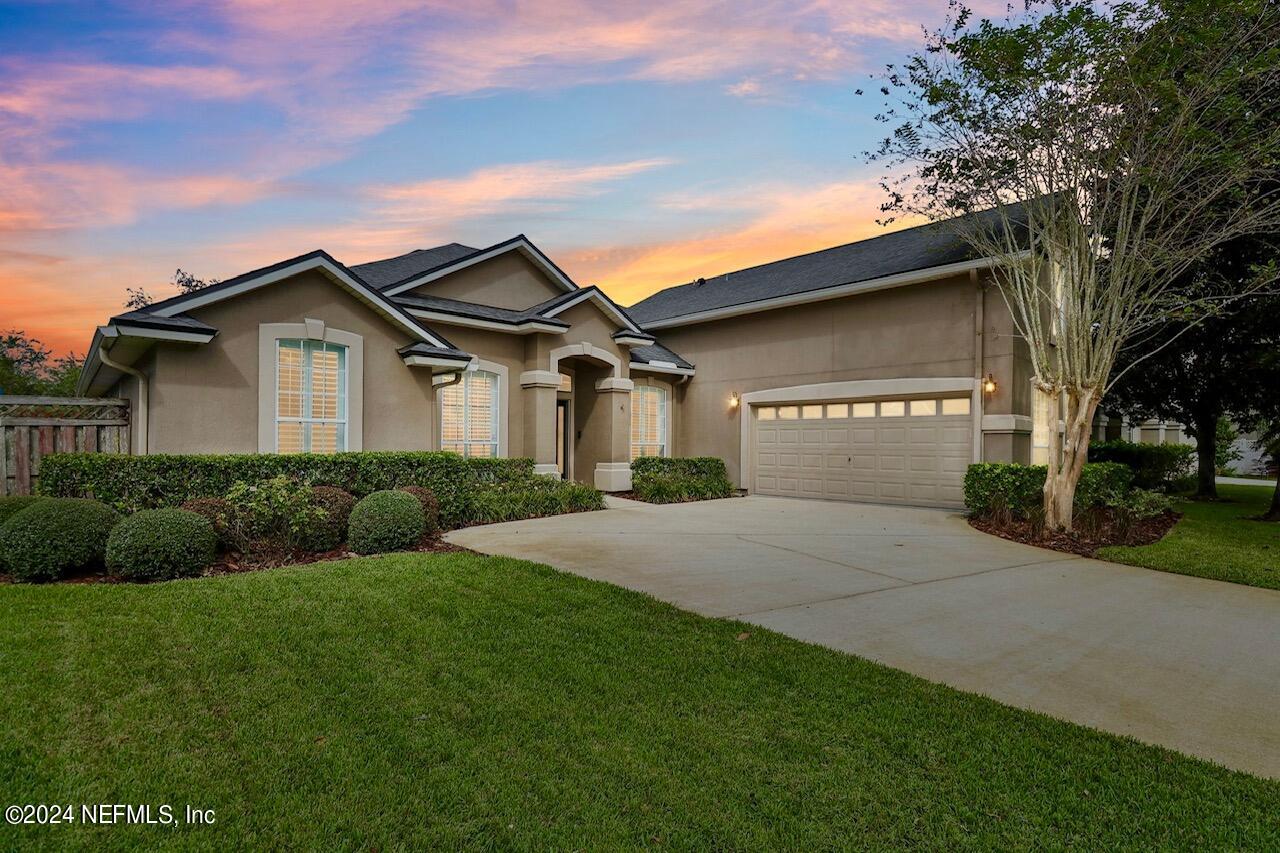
(615, 474)
(540, 419)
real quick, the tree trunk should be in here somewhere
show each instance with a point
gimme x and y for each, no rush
(1207, 453)
(1273, 514)
(1067, 457)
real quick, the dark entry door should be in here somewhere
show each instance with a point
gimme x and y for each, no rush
(562, 438)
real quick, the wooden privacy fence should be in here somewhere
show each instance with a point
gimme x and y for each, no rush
(33, 427)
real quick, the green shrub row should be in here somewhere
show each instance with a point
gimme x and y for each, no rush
(664, 479)
(999, 488)
(130, 483)
(1154, 466)
(534, 498)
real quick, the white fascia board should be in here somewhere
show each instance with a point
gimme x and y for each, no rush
(629, 341)
(661, 367)
(607, 306)
(445, 365)
(522, 245)
(125, 330)
(374, 299)
(527, 327)
(889, 281)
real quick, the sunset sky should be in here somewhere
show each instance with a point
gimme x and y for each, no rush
(641, 144)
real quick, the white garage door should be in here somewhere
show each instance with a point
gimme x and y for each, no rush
(888, 451)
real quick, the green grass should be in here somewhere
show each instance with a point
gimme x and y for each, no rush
(1216, 540)
(454, 700)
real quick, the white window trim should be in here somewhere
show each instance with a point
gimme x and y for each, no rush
(269, 335)
(504, 390)
(666, 414)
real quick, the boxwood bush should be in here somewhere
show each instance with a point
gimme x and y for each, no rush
(430, 508)
(1007, 487)
(385, 521)
(51, 538)
(16, 503)
(1154, 466)
(161, 544)
(330, 529)
(665, 479)
(130, 483)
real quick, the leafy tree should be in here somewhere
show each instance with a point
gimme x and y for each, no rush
(1200, 375)
(185, 282)
(1096, 152)
(27, 367)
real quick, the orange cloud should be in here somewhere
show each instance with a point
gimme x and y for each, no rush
(784, 221)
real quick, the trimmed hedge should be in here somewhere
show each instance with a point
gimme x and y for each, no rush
(430, 508)
(52, 537)
(535, 498)
(161, 544)
(665, 479)
(385, 521)
(1154, 466)
(14, 504)
(130, 483)
(331, 530)
(1019, 489)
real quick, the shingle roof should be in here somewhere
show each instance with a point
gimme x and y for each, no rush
(657, 352)
(388, 271)
(177, 323)
(475, 310)
(908, 250)
(420, 348)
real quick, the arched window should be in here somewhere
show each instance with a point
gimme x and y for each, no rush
(469, 415)
(311, 396)
(648, 421)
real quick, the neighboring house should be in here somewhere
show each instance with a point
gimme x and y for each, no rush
(857, 372)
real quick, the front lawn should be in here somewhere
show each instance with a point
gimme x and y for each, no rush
(414, 701)
(1216, 540)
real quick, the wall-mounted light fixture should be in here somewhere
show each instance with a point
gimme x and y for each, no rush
(734, 400)
(989, 384)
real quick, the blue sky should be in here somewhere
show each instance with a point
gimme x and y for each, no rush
(640, 145)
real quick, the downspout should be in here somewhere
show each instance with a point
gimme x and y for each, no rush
(143, 399)
(979, 362)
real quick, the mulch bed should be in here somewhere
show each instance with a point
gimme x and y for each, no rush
(1077, 542)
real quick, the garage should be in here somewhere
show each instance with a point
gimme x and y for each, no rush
(905, 451)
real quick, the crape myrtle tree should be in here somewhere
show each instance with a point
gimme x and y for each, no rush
(1094, 152)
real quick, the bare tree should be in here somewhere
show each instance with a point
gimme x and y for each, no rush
(137, 298)
(1095, 153)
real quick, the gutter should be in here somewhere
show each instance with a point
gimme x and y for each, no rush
(143, 395)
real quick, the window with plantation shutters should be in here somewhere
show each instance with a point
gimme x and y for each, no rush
(469, 415)
(648, 421)
(311, 397)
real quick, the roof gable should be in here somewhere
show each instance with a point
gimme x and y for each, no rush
(593, 294)
(519, 243)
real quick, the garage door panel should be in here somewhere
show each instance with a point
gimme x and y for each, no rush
(917, 459)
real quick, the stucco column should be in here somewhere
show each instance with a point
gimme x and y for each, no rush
(539, 389)
(614, 475)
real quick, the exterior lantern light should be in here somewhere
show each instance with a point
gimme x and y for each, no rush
(734, 400)
(989, 384)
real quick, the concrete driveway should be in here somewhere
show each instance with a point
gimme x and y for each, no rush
(1186, 663)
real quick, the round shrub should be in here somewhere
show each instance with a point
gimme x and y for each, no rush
(161, 544)
(430, 508)
(216, 511)
(385, 521)
(54, 536)
(331, 531)
(14, 504)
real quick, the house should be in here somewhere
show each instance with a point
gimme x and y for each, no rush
(876, 370)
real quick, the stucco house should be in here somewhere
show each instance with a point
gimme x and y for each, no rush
(876, 370)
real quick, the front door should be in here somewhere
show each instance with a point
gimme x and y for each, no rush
(563, 436)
